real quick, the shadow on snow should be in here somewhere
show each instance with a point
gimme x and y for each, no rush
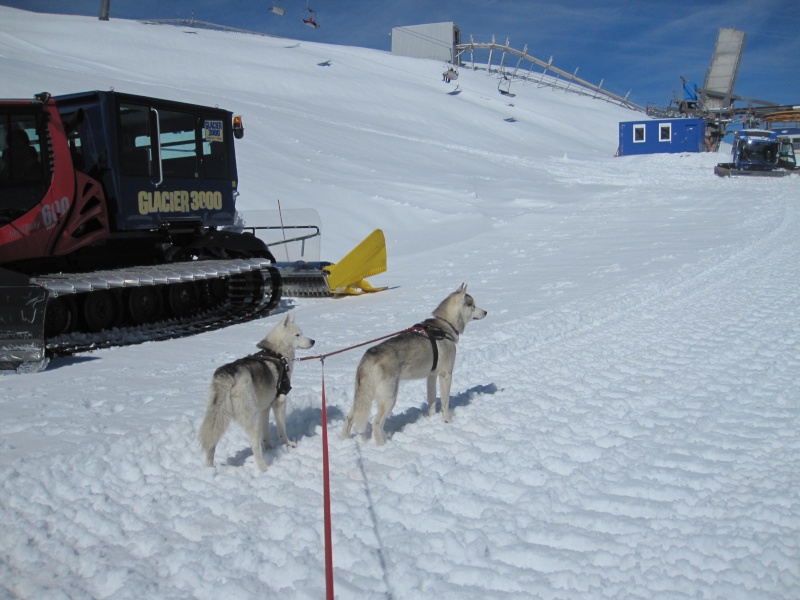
(303, 423)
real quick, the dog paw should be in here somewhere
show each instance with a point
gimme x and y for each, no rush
(290, 443)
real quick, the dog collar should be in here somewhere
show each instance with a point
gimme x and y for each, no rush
(432, 328)
(453, 327)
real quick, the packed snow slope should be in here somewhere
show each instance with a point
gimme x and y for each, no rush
(625, 418)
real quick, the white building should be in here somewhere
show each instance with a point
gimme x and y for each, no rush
(436, 41)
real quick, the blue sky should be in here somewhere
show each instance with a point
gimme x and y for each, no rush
(644, 47)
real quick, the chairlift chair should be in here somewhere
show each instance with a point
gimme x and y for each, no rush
(450, 74)
(277, 8)
(311, 18)
(505, 89)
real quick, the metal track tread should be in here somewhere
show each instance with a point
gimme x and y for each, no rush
(66, 283)
(238, 309)
(76, 343)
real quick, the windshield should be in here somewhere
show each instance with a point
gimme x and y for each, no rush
(758, 151)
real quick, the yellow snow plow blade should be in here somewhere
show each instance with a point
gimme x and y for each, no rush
(347, 277)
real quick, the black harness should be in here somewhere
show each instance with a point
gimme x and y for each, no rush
(284, 386)
(431, 328)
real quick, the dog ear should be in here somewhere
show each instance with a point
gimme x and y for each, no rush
(288, 319)
(462, 289)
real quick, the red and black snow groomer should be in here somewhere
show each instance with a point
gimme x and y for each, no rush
(117, 213)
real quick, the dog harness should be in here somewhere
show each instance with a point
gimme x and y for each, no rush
(284, 385)
(434, 332)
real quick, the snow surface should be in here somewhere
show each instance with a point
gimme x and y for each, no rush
(626, 417)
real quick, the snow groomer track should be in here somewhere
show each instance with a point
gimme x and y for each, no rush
(247, 282)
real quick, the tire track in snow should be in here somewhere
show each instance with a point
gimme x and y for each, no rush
(640, 427)
(621, 442)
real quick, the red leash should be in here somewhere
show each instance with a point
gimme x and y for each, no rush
(326, 495)
(326, 478)
(322, 357)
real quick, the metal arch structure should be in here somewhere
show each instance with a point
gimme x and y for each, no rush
(549, 76)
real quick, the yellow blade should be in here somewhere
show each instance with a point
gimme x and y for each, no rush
(362, 287)
(365, 260)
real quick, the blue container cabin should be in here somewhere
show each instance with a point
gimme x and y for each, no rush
(661, 136)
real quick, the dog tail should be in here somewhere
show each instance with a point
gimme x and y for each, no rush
(362, 400)
(216, 420)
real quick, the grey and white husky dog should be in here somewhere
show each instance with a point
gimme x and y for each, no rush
(245, 390)
(427, 352)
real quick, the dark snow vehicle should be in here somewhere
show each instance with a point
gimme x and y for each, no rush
(754, 153)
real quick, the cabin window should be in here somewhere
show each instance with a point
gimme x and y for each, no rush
(135, 142)
(638, 134)
(214, 157)
(185, 144)
(178, 144)
(21, 146)
(665, 132)
(24, 162)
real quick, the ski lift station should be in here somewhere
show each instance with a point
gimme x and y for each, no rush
(661, 136)
(436, 41)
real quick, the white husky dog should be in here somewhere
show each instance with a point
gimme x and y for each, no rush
(246, 389)
(426, 353)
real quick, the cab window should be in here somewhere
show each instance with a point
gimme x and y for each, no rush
(24, 164)
(185, 144)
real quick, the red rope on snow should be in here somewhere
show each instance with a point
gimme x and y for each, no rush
(326, 495)
(326, 478)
